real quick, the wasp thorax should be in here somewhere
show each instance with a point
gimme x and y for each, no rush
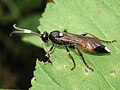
(60, 34)
(55, 34)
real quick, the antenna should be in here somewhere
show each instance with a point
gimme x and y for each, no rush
(23, 30)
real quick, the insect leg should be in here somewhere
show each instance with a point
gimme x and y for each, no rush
(86, 33)
(48, 54)
(65, 30)
(108, 41)
(71, 58)
(79, 52)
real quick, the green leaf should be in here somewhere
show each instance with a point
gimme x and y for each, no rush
(32, 22)
(100, 17)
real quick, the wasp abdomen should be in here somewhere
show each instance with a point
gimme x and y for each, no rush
(102, 49)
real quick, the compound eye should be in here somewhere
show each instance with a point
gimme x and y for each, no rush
(60, 34)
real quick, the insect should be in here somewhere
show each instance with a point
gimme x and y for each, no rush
(69, 40)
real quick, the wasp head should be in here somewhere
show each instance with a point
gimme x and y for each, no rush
(45, 36)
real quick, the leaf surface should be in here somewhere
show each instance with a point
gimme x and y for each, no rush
(99, 17)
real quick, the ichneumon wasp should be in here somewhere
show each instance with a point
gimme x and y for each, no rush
(69, 40)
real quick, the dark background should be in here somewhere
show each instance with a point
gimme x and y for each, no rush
(18, 58)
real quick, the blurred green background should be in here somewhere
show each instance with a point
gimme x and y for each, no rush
(17, 58)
